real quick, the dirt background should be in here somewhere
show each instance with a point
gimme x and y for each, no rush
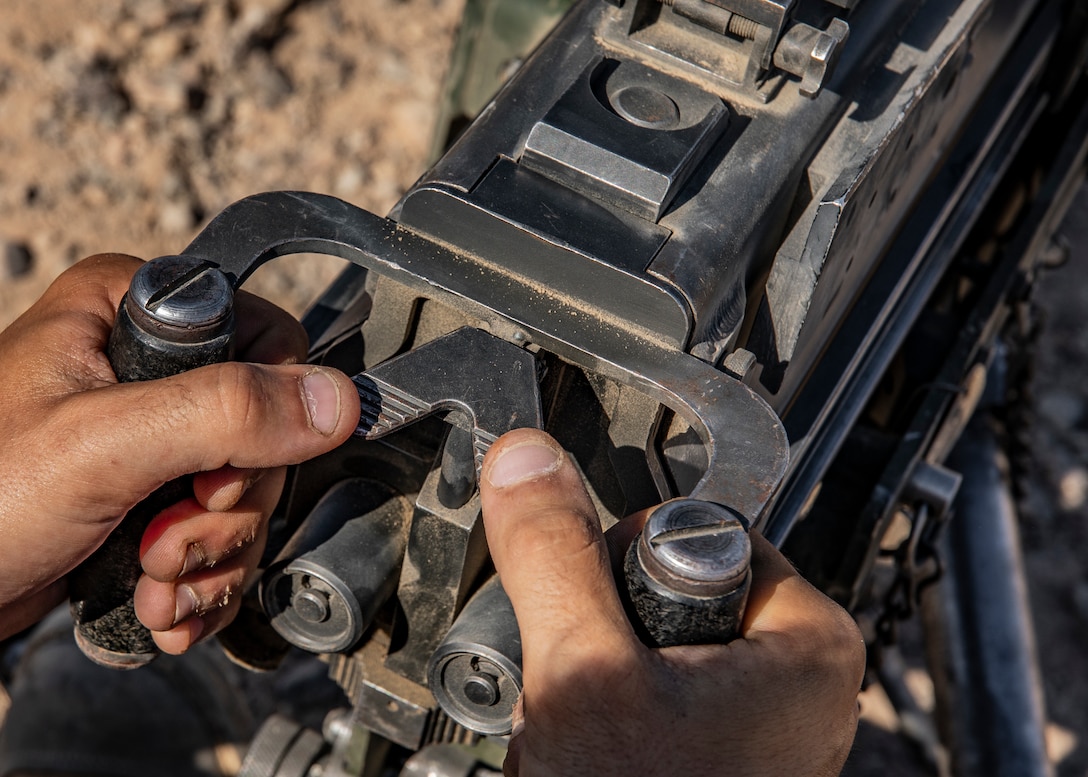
(126, 124)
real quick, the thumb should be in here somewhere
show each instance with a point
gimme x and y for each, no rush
(546, 542)
(246, 415)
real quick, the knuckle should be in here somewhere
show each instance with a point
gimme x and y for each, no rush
(824, 647)
(845, 648)
(554, 536)
(98, 267)
(825, 660)
(242, 394)
(219, 593)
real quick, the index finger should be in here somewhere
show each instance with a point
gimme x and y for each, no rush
(267, 334)
(785, 611)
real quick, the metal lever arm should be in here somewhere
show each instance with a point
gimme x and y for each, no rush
(487, 384)
(746, 442)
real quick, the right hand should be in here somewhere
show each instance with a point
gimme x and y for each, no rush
(780, 701)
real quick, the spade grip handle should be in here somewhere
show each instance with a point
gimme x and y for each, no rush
(178, 315)
(687, 575)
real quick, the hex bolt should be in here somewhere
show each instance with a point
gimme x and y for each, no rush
(311, 605)
(811, 54)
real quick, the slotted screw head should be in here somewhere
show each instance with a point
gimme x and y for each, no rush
(699, 542)
(181, 293)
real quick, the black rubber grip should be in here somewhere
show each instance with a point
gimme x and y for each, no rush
(166, 325)
(687, 575)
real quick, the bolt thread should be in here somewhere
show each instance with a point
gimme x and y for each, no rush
(743, 27)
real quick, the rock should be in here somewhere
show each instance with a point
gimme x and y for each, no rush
(150, 14)
(265, 82)
(98, 93)
(266, 7)
(162, 49)
(161, 91)
(18, 259)
(177, 217)
(349, 180)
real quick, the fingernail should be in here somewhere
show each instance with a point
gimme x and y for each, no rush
(523, 462)
(322, 397)
(185, 603)
(196, 629)
(194, 559)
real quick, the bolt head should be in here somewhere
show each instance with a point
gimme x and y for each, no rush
(181, 292)
(699, 542)
(311, 605)
(645, 106)
(481, 689)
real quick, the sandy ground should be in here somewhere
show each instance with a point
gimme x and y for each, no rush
(126, 124)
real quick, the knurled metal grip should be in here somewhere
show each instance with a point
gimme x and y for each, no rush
(688, 574)
(178, 315)
(490, 383)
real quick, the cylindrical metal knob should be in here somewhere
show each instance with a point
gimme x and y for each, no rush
(177, 315)
(475, 674)
(341, 566)
(688, 574)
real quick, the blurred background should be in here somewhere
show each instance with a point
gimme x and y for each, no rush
(126, 124)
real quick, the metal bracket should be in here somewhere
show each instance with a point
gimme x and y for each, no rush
(721, 409)
(491, 383)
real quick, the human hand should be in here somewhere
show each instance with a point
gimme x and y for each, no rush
(80, 450)
(781, 700)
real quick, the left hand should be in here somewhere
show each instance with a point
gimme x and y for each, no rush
(80, 450)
